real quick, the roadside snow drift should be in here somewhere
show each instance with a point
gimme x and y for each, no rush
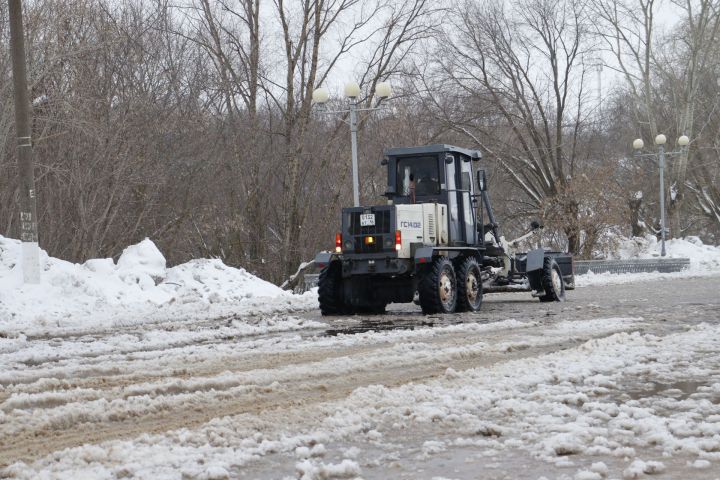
(139, 288)
(702, 257)
(704, 260)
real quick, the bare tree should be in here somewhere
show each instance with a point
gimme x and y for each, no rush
(664, 72)
(230, 33)
(692, 53)
(521, 74)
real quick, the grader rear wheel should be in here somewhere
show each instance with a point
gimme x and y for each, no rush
(438, 287)
(469, 283)
(552, 282)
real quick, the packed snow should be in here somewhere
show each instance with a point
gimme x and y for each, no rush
(139, 288)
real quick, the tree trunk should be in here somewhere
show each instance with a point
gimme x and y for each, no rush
(634, 209)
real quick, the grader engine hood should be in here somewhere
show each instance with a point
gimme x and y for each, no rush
(398, 229)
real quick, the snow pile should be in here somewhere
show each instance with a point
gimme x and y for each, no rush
(213, 281)
(143, 259)
(704, 260)
(139, 288)
(706, 257)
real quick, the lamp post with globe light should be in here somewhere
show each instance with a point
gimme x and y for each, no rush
(352, 92)
(660, 141)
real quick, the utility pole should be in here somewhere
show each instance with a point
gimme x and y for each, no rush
(28, 207)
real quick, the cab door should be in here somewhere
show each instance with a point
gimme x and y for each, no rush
(456, 231)
(465, 190)
(460, 190)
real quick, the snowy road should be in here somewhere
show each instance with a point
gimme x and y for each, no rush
(619, 382)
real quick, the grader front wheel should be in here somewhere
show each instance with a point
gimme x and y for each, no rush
(469, 286)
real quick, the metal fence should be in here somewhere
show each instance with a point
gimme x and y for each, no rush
(662, 265)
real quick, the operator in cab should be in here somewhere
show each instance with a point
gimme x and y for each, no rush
(418, 177)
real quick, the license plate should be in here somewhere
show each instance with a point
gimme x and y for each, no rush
(367, 220)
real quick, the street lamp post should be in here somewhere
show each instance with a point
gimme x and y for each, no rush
(352, 92)
(660, 141)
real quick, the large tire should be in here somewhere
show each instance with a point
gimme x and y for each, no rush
(330, 292)
(552, 282)
(469, 286)
(438, 287)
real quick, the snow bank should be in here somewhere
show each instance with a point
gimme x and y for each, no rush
(701, 256)
(139, 288)
(704, 260)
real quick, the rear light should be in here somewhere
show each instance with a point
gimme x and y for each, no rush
(398, 240)
(338, 242)
(369, 240)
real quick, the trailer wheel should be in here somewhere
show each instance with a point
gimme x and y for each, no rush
(330, 290)
(438, 287)
(469, 286)
(552, 282)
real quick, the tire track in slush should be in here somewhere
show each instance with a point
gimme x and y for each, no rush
(33, 444)
(269, 400)
(666, 307)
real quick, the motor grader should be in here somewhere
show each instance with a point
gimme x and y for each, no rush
(435, 242)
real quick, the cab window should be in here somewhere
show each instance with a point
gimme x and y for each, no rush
(420, 171)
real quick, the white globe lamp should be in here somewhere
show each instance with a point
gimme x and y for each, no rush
(352, 90)
(383, 90)
(320, 95)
